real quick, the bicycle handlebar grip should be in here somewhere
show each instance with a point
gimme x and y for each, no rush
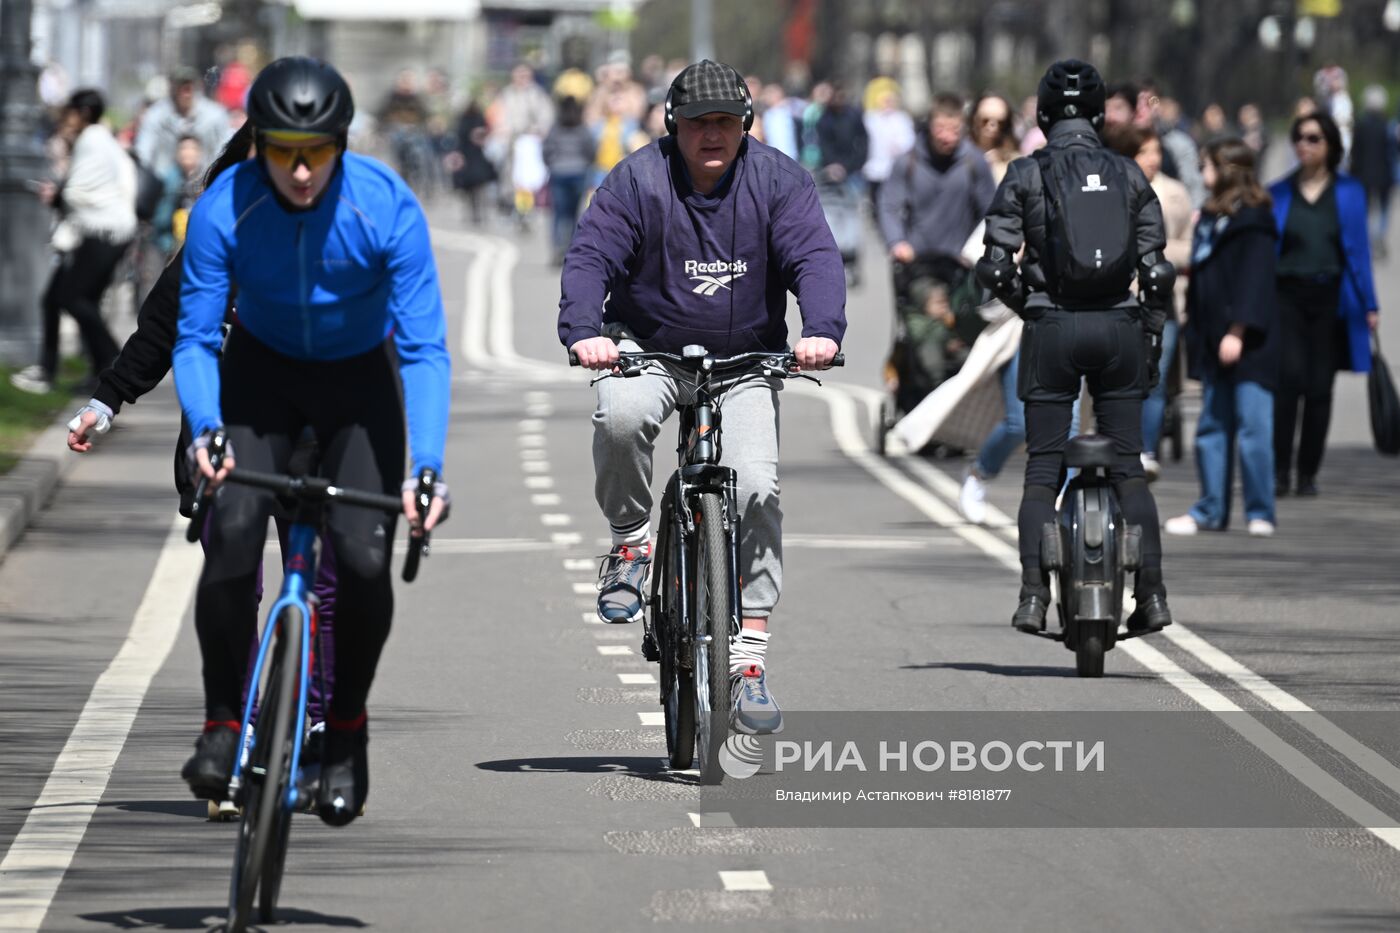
(573, 360)
(838, 360)
(418, 547)
(199, 509)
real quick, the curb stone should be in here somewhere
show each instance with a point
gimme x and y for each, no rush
(26, 489)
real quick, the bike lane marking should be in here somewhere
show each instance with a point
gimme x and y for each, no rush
(845, 428)
(1257, 685)
(40, 854)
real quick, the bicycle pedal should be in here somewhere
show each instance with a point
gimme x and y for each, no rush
(649, 649)
(223, 811)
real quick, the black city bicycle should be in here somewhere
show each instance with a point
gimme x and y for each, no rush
(694, 606)
(270, 777)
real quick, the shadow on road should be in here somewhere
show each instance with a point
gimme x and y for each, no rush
(651, 766)
(209, 918)
(1016, 670)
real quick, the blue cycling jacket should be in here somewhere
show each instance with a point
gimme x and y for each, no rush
(323, 284)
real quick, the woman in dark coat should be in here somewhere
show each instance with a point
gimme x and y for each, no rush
(1327, 298)
(471, 170)
(1232, 339)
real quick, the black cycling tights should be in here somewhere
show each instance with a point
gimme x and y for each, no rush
(353, 407)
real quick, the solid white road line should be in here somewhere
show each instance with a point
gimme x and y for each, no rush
(846, 429)
(41, 852)
(745, 881)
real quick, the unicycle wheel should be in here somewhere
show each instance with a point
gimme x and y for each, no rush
(1089, 649)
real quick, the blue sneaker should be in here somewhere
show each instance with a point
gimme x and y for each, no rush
(622, 583)
(755, 710)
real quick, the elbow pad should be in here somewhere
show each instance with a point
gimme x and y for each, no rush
(1156, 279)
(997, 273)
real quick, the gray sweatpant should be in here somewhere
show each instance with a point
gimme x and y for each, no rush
(628, 421)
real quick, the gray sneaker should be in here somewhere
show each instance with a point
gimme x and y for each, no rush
(622, 583)
(755, 710)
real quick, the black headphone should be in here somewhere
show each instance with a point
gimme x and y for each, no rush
(670, 117)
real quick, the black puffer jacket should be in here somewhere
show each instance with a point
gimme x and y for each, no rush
(1017, 214)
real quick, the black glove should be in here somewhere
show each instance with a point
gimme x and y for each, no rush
(1154, 359)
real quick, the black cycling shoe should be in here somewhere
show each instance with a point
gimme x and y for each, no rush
(1150, 615)
(344, 774)
(211, 766)
(1030, 614)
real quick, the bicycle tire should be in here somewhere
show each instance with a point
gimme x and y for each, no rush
(712, 617)
(265, 794)
(677, 680)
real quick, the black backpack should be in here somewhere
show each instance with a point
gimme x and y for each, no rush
(1090, 224)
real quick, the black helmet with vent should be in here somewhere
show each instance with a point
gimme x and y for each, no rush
(300, 95)
(1071, 89)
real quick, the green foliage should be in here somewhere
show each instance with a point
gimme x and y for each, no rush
(23, 415)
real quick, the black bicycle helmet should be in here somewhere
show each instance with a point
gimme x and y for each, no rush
(1070, 89)
(301, 95)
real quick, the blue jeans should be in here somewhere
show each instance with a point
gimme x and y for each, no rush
(565, 193)
(1155, 405)
(1010, 432)
(1234, 415)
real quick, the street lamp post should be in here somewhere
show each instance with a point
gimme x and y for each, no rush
(23, 220)
(702, 30)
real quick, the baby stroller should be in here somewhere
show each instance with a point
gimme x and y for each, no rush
(841, 204)
(936, 323)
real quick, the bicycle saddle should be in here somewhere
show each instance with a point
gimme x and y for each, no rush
(1090, 450)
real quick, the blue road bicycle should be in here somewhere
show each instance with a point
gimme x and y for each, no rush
(269, 779)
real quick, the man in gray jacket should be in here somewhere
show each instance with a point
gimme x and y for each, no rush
(186, 112)
(934, 198)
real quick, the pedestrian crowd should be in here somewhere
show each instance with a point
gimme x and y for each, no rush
(1274, 293)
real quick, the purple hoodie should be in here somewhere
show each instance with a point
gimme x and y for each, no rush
(678, 267)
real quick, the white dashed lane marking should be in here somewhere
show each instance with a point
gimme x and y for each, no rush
(652, 719)
(539, 482)
(556, 519)
(745, 881)
(614, 650)
(545, 498)
(531, 440)
(574, 564)
(534, 466)
(633, 679)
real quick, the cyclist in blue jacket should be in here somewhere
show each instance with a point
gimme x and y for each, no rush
(329, 254)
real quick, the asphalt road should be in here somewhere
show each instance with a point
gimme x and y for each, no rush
(517, 779)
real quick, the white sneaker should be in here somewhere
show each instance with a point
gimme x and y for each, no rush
(1260, 528)
(1181, 525)
(31, 379)
(1151, 467)
(972, 501)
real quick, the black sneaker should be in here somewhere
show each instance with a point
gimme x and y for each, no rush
(1280, 485)
(344, 773)
(209, 769)
(1030, 613)
(1150, 615)
(1307, 486)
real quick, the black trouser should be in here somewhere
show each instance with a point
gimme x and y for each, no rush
(1312, 337)
(76, 287)
(354, 409)
(1107, 349)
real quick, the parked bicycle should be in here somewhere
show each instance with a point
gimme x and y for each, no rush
(694, 606)
(269, 779)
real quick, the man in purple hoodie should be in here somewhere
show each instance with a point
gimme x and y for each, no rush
(697, 239)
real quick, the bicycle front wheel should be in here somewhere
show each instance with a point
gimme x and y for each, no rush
(677, 680)
(713, 610)
(262, 837)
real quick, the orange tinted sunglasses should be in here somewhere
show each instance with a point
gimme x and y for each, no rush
(287, 157)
